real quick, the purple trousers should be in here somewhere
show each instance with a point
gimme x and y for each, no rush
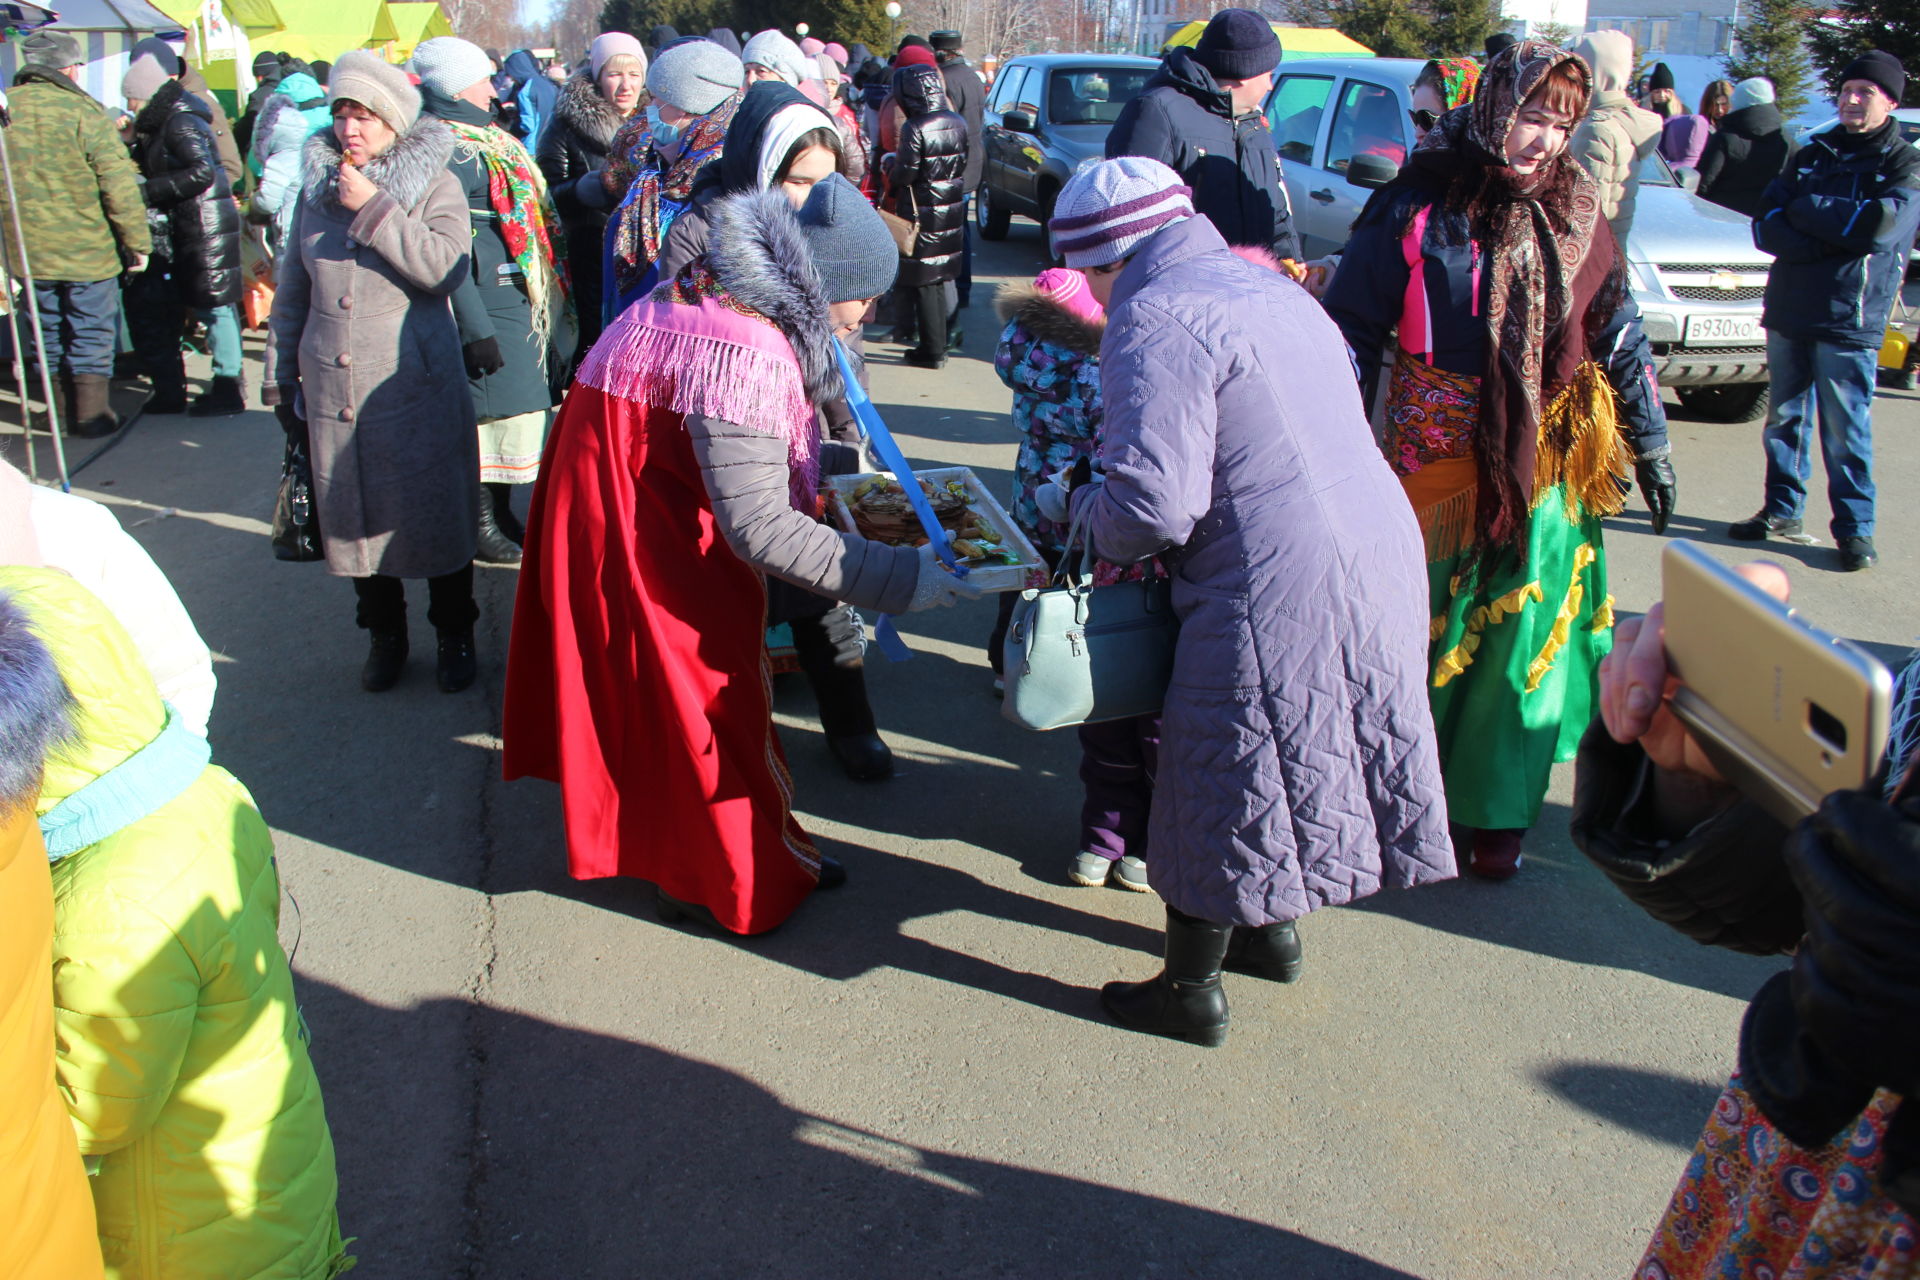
(1118, 760)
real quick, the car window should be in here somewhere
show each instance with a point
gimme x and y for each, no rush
(1655, 173)
(1294, 112)
(1093, 95)
(1006, 87)
(1369, 121)
(1029, 99)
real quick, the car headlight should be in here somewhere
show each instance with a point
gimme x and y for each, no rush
(1644, 278)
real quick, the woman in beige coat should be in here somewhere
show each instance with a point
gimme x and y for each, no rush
(365, 361)
(1616, 135)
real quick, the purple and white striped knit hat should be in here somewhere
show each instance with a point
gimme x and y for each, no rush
(1110, 209)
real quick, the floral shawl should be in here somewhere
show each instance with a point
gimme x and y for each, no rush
(1459, 77)
(657, 192)
(519, 197)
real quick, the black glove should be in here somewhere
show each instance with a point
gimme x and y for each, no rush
(483, 357)
(290, 422)
(1658, 487)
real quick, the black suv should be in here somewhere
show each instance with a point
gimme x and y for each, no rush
(1047, 117)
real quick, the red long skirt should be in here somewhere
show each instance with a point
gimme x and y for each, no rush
(637, 675)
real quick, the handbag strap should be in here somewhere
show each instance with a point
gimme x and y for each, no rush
(885, 634)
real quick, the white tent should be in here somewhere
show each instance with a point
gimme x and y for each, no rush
(107, 30)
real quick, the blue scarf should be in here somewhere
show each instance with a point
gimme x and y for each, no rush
(144, 783)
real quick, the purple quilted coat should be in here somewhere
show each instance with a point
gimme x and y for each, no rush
(1297, 760)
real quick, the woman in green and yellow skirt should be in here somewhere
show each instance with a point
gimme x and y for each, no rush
(1521, 404)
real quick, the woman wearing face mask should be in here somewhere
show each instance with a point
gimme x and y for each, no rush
(592, 107)
(654, 159)
(365, 360)
(682, 475)
(1521, 399)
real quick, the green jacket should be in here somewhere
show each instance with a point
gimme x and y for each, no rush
(80, 204)
(178, 1048)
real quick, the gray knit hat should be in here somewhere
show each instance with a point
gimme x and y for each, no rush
(779, 55)
(143, 79)
(449, 65)
(55, 49)
(1752, 92)
(696, 76)
(852, 249)
(377, 85)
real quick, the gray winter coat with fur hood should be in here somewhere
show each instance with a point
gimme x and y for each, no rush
(364, 344)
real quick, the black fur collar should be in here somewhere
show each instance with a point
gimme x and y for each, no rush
(587, 111)
(1049, 321)
(170, 97)
(404, 171)
(757, 252)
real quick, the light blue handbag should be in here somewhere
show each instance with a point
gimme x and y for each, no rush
(1079, 654)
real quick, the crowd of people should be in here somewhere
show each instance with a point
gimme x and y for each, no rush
(639, 288)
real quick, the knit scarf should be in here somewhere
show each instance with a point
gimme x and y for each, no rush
(1537, 235)
(518, 193)
(659, 192)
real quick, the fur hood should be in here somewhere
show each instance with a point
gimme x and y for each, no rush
(585, 110)
(404, 171)
(760, 257)
(1048, 321)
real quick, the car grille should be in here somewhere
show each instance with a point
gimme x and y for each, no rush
(1708, 293)
(1724, 354)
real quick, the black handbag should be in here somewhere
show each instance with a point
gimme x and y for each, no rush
(296, 524)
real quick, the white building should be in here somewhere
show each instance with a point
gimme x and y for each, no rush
(1673, 28)
(1527, 17)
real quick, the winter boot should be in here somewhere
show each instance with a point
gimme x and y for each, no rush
(1496, 853)
(386, 656)
(1186, 999)
(501, 495)
(90, 414)
(457, 664)
(495, 547)
(169, 395)
(828, 651)
(1270, 951)
(223, 398)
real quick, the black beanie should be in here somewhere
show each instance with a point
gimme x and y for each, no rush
(1500, 40)
(1238, 44)
(1662, 77)
(1882, 68)
(908, 42)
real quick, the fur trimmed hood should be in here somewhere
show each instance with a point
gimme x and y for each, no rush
(1048, 321)
(404, 171)
(757, 252)
(585, 110)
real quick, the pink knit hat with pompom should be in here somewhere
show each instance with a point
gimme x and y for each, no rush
(1067, 288)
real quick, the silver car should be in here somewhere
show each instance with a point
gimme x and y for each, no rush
(1693, 266)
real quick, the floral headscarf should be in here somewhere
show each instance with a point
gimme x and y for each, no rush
(1458, 78)
(1536, 233)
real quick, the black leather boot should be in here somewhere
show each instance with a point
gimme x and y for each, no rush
(456, 665)
(502, 497)
(495, 547)
(385, 657)
(823, 646)
(90, 413)
(1271, 951)
(1186, 1000)
(223, 398)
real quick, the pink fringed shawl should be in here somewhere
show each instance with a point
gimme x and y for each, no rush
(715, 359)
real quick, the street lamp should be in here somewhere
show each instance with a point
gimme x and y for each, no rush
(893, 22)
(802, 29)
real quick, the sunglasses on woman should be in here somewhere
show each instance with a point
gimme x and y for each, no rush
(1424, 120)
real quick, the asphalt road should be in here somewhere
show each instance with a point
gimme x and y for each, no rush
(529, 1077)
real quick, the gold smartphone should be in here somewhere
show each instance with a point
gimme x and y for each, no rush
(1787, 712)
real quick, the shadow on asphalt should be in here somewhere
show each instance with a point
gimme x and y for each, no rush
(1663, 1107)
(1561, 906)
(600, 1157)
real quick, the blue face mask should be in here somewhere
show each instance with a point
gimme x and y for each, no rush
(664, 134)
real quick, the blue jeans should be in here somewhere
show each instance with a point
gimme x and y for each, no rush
(79, 322)
(1803, 373)
(223, 338)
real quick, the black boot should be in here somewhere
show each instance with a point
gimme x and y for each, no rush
(385, 657)
(839, 682)
(1186, 999)
(1271, 951)
(502, 498)
(169, 394)
(223, 398)
(495, 547)
(457, 664)
(90, 414)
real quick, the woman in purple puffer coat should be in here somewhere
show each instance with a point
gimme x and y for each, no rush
(1297, 763)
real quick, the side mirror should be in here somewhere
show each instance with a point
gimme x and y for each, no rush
(1016, 122)
(1689, 179)
(1371, 172)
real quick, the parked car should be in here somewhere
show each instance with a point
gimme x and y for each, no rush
(1048, 116)
(1694, 269)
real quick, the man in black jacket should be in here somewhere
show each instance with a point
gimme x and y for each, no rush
(1201, 116)
(1747, 151)
(966, 94)
(1839, 223)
